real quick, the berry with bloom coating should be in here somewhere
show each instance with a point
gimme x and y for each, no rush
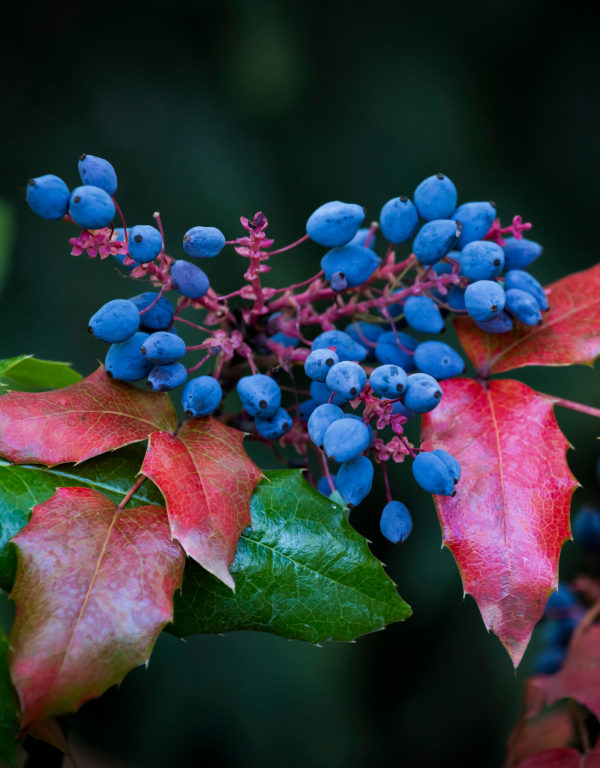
(98, 172)
(334, 223)
(345, 346)
(481, 260)
(320, 392)
(523, 306)
(361, 236)
(260, 395)
(435, 239)
(321, 419)
(422, 314)
(125, 362)
(306, 408)
(476, 220)
(163, 378)
(91, 207)
(274, 427)
(397, 349)
(189, 279)
(203, 242)
(520, 252)
(432, 474)
(484, 300)
(159, 316)
(48, 196)
(346, 379)
(318, 364)
(352, 264)
(435, 198)
(201, 396)
(388, 381)
(115, 321)
(324, 486)
(517, 278)
(438, 360)
(345, 439)
(365, 334)
(499, 324)
(423, 393)
(145, 243)
(163, 347)
(354, 480)
(395, 523)
(399, 219)
(450, 462)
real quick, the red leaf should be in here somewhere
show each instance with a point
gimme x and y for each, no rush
(562, 758)
(510, 516)
(569, 334)
(95, 415)
(207, 481)
(94, 588)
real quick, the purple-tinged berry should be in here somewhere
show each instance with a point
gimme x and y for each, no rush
(523, 306)
(502, 323)
(397, 349)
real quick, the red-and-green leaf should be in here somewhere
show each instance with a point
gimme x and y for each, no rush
(510, 516)
(85, 419)
(94, 588)
(569, 334)
(207, 481)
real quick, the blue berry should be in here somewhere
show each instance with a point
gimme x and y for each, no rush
(119, 235)
(115, 321)
(558, 632)
(450, 462)
(363, 333)
(260, 395)
(519, 253)
(201, 396)
(561, 600)
(91, 207)
(438, 360)
(422, 314)
(48, 196)
(163, 378)
(98, 172)
(398, 219)
(361, 236)
(346, 379)
(517, 278)
(523, 306)
(369, 427)
(345, 439)
(476, 220)
(435, 198)
(423, 393)
(159, 317)
(432, 474)
(354, 480)
(502, 323)
(306, 408)
(396, 349)
(345, 346)
(324, 486)
(189, 279)
(203, 242)
(481, 260)
(320, 392)
(455, 298)
(318, 364)
(145, 243)
(284, 339)
(274, 427)
(334, 223)
(395, 523)
(484, 300)
(321, 419)
(549, 661)
(125, 361)
(586, 529)
(163, 347)
(352, 264)
(388, 381)
(435, 239)
(399, 407)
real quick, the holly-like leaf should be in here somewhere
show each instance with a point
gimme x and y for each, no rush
(8, 709)
(95, 415)
(22, 486)
(207, 480)
(301, 572)
(569, 334)
(26, 374)
(510, 515)
(94, 588)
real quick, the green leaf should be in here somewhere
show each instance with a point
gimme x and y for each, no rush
(8, 710)
(301, 572)
(7, 236)
(28, 374)
(23, 486)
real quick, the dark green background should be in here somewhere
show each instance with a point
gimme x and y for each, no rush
(211, 111)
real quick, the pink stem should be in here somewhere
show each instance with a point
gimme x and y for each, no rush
(160, 293)
(193, 325)
(120, 212)
(200, 363)
(386, 481)
(326, 471)
(299, 285)
(573, 406)
(288, 247)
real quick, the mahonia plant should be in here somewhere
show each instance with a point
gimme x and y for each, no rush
(326, 374)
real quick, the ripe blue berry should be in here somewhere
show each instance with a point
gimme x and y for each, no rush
(163, 378)
(98, 172)
(476, 220)
(438, 360)
(388, 381)
(284, 339)
(402, 409)
(399, 219)
(48, 196)
(334, 223)
(306, 408)
(365, 334)
(549, 661)
(115, 321)
(320, 392)
(361, 236)
(203, 242)
(519, 253)
(345, 346)
(369, 427)
(502, 323)
(145, 243)
(260, 395)
(586, 529)
(346, 379)
(324, 486)
(274, 427)
(159, 317)
(450, 462)
(455, 298)
(435, 198)
(397, 349)
(91, 207)
(435, 239)
(422, 314)
(345, 439)
(354, 480)
(125, 361)
(163, 347)
(517, 278)
(523, 306)
(353, 264)
(189, 279)
(484, 300)
(201, 396)
(481, 260)
(423, 393)
(321, 419)
(395, 523)
(432, 474)
(318, 364)
(119, 235)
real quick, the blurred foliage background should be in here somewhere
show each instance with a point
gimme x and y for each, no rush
(210, 111)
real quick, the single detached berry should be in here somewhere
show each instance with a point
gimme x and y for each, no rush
(163, 347)
(484, 300)
(203, 242)
(346, 439)
(345, 346)
(398, 219)
(48, 196)
(354, 480)
(432, 474)
(389, 381)
(318, 364)
(189, 279)
(397, 349)
(435, 239)
(438, 360)
(145, 243)
(125, 362)
(321, 419)
(98, 172)
(523, 306)
(91, 207)
(476, 220)
(352, 264)
(517, 278)
(423, 393)
(422, 314)
(160, 314)
(435, 198)
(481, 260)
(346, 379)
(115, 321)
(519, 253)
(274, 427)
(334, 223)
(201, 396)
(395, 523)
(260, 395)
(163, 378)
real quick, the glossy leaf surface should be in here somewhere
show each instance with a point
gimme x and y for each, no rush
(27, 373)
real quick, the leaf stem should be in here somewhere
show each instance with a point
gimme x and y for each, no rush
(573, 406)
(131, 491)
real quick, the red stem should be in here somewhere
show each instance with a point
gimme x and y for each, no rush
(131, 491)
(288, 247)
(120, 212)
(386, 481)
(326, 471)
(573, 406)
